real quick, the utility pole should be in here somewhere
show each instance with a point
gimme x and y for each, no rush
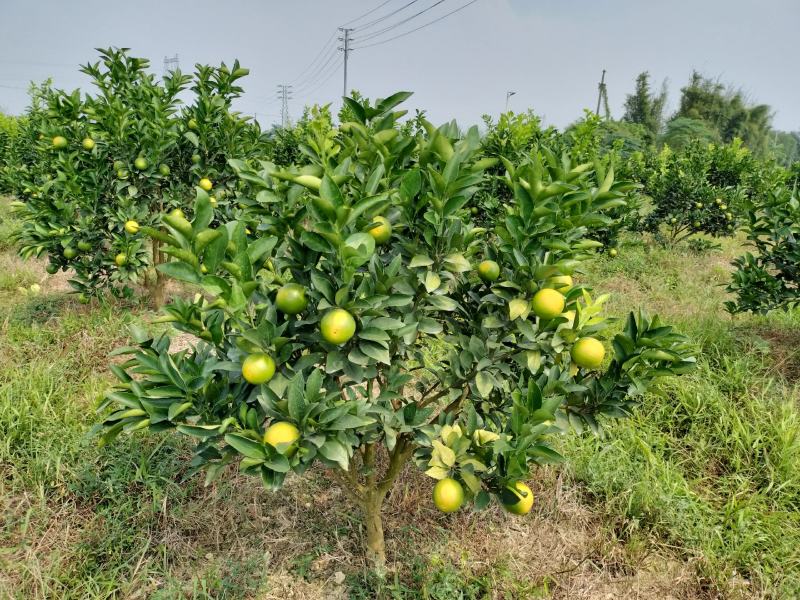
(284, 95)
(601, 92)
(345, 47)
(508, 95)
(171, 64)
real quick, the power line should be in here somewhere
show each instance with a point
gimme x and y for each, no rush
(317, 57)
(311, 81)
(452, 12)
(324, 81)
(366, 14)
(406, 20)
(384, 17)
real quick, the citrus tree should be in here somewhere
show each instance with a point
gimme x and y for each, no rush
(770, 278)
(109, 163)
(698, 189)
(368, 323)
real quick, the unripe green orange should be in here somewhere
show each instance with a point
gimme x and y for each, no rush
(381, 232)
(192, 124)
(337, 326)
(258, 368)
(560, 283)
(59, 142)
(448, 495)
(70, 252)
(548, 303)
(177, 212)
(524, 497)
(140, 163)
(84, 246)
(205, 184)
(282, 434)
(612, 253)
(163, 169)
(121, 259)
(588, 353)
(291, 299)
(488, 270)
(87, 143)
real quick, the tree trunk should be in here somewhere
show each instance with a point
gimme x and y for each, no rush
(375, 545)
(158, 285)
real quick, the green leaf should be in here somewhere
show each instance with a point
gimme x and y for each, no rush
(485, 383)
(295, 395)
(334, 451)
(180, 271)
(246, 446)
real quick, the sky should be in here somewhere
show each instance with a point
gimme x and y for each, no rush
(549, 52)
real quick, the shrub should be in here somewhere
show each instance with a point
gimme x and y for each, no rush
(392, 344)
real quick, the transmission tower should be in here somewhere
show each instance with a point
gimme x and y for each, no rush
(284, 95)
(345, 47)
(171, 64)
(602, 95)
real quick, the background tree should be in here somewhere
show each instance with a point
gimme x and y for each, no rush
(646, 108)
(726, 111)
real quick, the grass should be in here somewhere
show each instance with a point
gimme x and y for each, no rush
(696, 496)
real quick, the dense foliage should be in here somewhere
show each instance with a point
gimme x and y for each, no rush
(370, 316)
(103, 166)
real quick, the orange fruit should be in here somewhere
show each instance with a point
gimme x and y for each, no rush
(588, 353)
(448, 495)
(548, 303)
(291, 299)
(524, 497)
(488, 270)
(337, 326)
(258, 368)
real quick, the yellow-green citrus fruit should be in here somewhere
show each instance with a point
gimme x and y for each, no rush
(87, 143)
(381, 232)
(59, 142)
(723, 206)
(281, 432)
(698, 205)
(205, 184)
(525, 499)
(488, 270)
(291, 299)
(203, 268)
(728, 215)
(163, 169)
(613, 252)
(35, 288)
(337, 326)
(588, 353)
(122, 173)
(118, 165)
(673, 220)
(177, 212)
(560, 283)
(548, 303)
(70, 252)
(132, 227)
(696, 224)
(52, 269)
(718, 201)
(474, 210)
(448, 495)
(140, 163)
(213, 201)
(195, 158)
(121, 259)
(84, 246)
(258, 368)
(83, 298)
(192, 124)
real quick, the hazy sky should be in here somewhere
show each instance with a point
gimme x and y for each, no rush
(550, 52)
